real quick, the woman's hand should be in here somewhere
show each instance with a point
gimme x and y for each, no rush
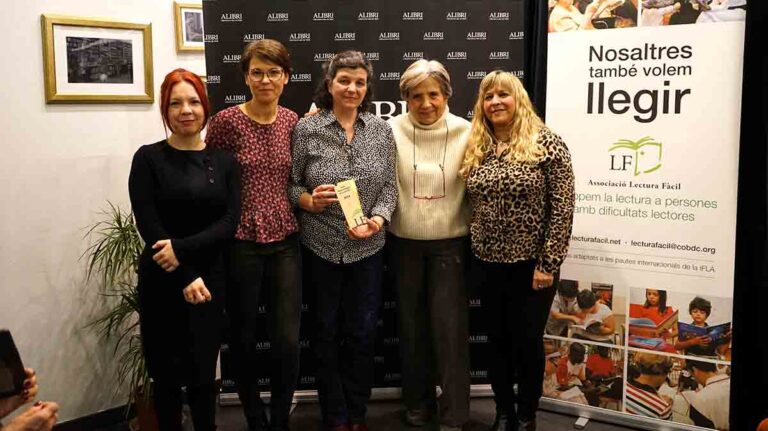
(542, 280)
(196, 292)
(40, 417)
(166, 258)
(322, 196)
(9, 404)
(371, 227)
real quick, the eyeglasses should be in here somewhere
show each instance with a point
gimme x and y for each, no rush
(271, 74)
(425, 171)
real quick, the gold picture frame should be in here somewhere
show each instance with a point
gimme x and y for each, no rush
(96, 60)
(189, 27)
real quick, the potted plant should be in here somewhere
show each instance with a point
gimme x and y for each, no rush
(113, 256)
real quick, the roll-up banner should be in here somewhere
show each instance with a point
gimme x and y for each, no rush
(647, 95)
(469, 37)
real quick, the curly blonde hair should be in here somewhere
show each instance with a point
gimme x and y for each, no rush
(526, 125)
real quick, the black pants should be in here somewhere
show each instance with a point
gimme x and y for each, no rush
(276, 268)
(202, 405)
(346, 311)
(516, 317)
(434, 331)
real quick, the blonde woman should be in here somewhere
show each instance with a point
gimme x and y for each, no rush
(427, 248)
(520, 184)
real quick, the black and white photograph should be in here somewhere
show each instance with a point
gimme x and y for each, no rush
(189, 26)
(99, 60)
(193, 26)
(96, 61)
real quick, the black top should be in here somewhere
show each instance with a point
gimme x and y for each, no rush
(189, 197)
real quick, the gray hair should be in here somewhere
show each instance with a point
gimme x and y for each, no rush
(421, 70)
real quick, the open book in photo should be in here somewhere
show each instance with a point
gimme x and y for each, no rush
(717, 333)
(591, 325)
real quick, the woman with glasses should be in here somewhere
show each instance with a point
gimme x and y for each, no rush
(428, 246)
(520, 183)
(344, 142)
(264, 259)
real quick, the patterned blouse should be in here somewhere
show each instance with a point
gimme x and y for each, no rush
(264, 153)
(321, 155)
(523, 210)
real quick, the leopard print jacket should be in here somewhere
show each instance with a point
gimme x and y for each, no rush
(521, 210)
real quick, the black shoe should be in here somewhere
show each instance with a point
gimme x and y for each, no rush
(502, 423)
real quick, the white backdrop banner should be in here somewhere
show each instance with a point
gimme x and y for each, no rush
(648, 98)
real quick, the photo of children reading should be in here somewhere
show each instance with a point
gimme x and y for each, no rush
(584, 374)
(562, 314)
(687, 391)
(709, 404)
(571, 15)
(646, 375)
(704, 11)
(698, 338)
(598, 322)
(652, 324)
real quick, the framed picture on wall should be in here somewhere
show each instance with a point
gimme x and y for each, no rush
(91, 60)
(189, 26)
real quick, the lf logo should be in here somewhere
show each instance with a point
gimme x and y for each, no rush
(642, 156)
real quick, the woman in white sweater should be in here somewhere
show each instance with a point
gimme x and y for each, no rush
(428, 246)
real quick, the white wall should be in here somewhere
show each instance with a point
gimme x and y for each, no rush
(59, 165)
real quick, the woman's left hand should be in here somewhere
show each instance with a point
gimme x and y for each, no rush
(542, 280)
(166, 258)
(371, 227)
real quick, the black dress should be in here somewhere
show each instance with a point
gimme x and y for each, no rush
(192, 198)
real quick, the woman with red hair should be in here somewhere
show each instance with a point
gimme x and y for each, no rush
(186, 201)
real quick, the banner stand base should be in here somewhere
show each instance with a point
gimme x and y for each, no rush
(612, 417)
(485, 391)
(377, 394)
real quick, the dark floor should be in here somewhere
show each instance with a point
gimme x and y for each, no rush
(386, 416)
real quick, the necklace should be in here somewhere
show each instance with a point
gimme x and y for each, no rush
(445, 148)
(501, 147)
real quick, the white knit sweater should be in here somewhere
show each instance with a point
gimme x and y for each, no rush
(430, 219)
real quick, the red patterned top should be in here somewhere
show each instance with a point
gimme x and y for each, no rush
(264, 153)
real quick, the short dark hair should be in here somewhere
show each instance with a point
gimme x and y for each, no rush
(602, 351)
(707, 367)
(568, 288)
(350, 60)
(576, 352)
(268, 50)
(586, 299)
(699, 303)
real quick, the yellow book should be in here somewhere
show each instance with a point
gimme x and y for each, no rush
(346, 192)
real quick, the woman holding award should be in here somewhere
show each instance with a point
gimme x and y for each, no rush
(344, 142)
(428, 248)
(520, 183)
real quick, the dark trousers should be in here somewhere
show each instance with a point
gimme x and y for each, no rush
(346, 310)
(202, 405)
(273, 269)
(434, 331)
(516, 317)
